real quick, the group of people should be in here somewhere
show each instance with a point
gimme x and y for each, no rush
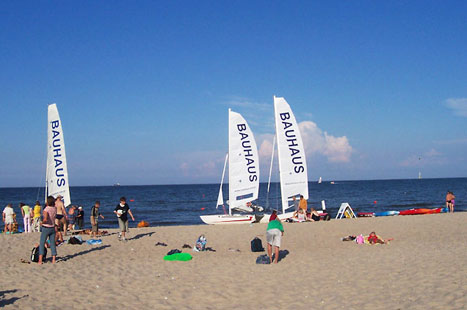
(52, 221)
(301, 213)
(32, 217)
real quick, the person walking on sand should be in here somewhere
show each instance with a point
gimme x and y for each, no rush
(8, 218)
(122, 210)
(36, 220)
(450, 201)
(48, 229)
(95, 218)
(26, 213)
(274, 233)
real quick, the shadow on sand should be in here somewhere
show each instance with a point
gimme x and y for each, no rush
(138, 236)
(8, 301)
(67, 257)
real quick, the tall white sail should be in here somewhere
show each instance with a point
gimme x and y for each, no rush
(291, 154)
(243, 163)
(56, 173)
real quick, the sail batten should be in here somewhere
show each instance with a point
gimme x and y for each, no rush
(56, 171)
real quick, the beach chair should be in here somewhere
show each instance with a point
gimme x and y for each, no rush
(346, 211)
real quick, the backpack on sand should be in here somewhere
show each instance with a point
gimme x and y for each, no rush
(256, 245)
(35, 254)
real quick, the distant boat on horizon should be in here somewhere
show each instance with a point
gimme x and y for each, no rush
(117, 184)
(320, 180)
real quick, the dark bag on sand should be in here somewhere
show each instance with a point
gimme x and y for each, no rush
(74, 240)
(256, 245)
(263, 259)
(35, 254)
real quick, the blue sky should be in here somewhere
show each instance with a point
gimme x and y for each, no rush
(143, 87)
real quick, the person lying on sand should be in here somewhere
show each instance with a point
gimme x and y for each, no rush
(374, 239)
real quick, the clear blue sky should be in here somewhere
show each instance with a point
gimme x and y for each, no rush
(143, 88)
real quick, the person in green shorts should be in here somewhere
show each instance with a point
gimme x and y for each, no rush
(274, 233)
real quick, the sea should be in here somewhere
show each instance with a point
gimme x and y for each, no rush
(163, 205)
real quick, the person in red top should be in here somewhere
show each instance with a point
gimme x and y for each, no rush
(374, 239)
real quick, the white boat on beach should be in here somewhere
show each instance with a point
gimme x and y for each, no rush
(291, 156)
(56, 175)
(243, 162)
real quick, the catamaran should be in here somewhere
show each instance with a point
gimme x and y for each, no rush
(243, 163)
(291, 156)
(56, 172)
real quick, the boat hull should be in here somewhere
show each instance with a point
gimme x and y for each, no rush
(282, 217)
(225, 219)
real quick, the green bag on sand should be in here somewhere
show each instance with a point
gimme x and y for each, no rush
(179, 256)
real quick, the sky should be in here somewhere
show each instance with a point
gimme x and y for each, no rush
(143, 88)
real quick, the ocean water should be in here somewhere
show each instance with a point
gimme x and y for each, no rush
(162, 205)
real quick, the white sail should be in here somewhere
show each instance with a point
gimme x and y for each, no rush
(56, 172)
(220, 197)
(291, 154)
(243, 163)
(320, 180)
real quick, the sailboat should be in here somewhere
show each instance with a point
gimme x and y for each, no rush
(243, 163)
(320, 180)
(291, 155)
(56, 172)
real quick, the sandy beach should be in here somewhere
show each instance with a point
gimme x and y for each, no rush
(423, 268)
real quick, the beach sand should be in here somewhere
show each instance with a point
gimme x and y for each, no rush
(423, 268)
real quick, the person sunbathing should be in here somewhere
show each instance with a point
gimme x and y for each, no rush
(374, 239)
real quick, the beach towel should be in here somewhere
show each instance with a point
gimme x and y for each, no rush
(94, 241)
(178, 257)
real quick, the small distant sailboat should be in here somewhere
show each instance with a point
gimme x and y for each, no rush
(56, 171)
(243, 161)
(419, 175)
(320, 180)
(291, 156)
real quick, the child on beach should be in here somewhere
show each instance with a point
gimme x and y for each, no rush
(26, 213)
(122, 210)
(95, 214)
(36, 220)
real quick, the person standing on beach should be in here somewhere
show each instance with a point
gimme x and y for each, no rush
(80, 217)
(303, 204)
(450, 201)
(48, 229)
(26, 213)
(8, 218)
(274, 233)
(95, 218)
(36, 220)
(122, 211)
(60, 219)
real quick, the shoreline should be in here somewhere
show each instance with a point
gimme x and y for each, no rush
(424, 267)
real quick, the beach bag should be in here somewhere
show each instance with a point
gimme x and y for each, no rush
(263, 259)
(35, 254)
(200, 244)
(256, 245)
(360, 239)
(74, 240)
